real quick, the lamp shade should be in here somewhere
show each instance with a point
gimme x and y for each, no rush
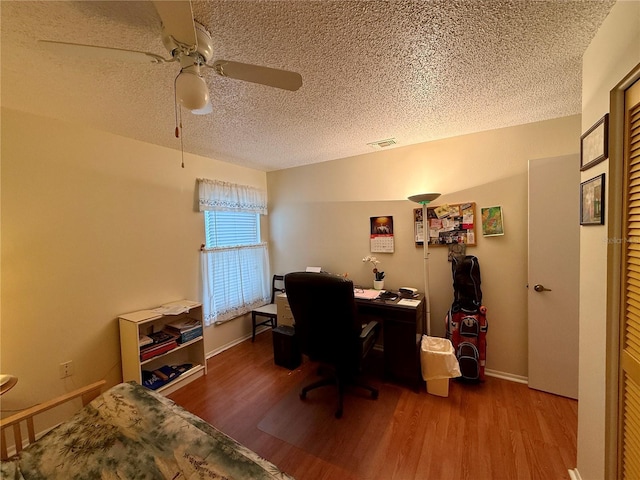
(191, 90)
(208, 108)
(7, 382)
(424, 197)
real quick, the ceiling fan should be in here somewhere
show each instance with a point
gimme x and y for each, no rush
(190, 44)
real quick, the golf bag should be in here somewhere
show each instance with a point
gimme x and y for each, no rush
(466, 320)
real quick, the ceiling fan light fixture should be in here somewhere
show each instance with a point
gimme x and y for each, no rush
(191, 90)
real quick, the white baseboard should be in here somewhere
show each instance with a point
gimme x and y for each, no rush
(507, 376)
(234, 343)
(490, 373)
(574, 474)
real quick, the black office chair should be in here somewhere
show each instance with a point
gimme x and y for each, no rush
(328, 329)
(268, 311)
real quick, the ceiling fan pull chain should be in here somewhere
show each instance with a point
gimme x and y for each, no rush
(175, 105)
(178, 113)
(181, 141)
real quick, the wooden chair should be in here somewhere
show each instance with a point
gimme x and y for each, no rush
(269, 311)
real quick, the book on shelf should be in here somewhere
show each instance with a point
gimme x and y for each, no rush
(187, 329)
(184, 324)
(158, 377)
(155, 350)
(144, 340)
(163, 375)
(161, 337)
(162, 342)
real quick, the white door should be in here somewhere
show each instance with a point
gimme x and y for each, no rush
(554, 273)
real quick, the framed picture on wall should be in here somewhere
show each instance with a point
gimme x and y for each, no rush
(492, 221)
(594, 144)
(592, 201)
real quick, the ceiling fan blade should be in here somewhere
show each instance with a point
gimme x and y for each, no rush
(271, 77)
(177, 19)
(93, 51)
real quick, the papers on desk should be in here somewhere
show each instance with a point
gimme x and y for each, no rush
(407, 302)
(366, 294)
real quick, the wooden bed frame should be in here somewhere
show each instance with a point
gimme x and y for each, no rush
(87, 393)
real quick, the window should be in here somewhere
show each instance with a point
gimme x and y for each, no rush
(235, 263)
(229, 229)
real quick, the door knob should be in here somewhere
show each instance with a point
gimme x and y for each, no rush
(541, 288)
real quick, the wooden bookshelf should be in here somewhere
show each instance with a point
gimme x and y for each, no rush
(144, 322)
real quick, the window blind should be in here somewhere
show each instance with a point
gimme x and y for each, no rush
(227, 229)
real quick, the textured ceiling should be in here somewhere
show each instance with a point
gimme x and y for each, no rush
(411, 70)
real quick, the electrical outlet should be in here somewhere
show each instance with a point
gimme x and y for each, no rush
(66, 369)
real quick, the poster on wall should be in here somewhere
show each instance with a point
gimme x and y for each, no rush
(381, 234)
(492, 221)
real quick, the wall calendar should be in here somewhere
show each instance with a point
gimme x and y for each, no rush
(381, 236)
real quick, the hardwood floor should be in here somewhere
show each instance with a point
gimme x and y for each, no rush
(495, 430)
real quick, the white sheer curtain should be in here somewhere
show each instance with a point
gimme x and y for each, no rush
(222, 299)
(235, 279)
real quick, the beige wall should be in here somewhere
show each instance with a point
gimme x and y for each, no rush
(93, 225)
(613, 53)
(319, 215)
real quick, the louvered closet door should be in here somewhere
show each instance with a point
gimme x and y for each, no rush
(629, 426)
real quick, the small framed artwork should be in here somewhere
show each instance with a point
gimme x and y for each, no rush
(492, 221)
(592, 201)
(594, 144)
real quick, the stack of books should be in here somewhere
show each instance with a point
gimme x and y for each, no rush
(186, 329)
(144, 340)
(163, 375)
(161, 342)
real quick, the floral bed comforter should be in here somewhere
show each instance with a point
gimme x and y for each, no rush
(129, 433)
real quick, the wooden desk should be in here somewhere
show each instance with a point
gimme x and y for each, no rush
(401, 335)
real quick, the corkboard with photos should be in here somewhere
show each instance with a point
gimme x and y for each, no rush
(447, 224)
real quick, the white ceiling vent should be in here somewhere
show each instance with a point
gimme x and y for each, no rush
(380, 144)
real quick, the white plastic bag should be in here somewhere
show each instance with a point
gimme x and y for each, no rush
(438, 359)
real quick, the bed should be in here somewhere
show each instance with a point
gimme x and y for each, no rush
(129, 432)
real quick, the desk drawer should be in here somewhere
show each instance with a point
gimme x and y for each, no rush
(401, 334)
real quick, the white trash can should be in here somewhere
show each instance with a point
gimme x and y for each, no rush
(439, 364)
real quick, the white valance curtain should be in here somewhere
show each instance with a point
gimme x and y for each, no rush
(217, 195)
(235, 279)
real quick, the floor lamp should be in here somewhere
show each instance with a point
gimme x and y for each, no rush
(424, 199)
(7, 382)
